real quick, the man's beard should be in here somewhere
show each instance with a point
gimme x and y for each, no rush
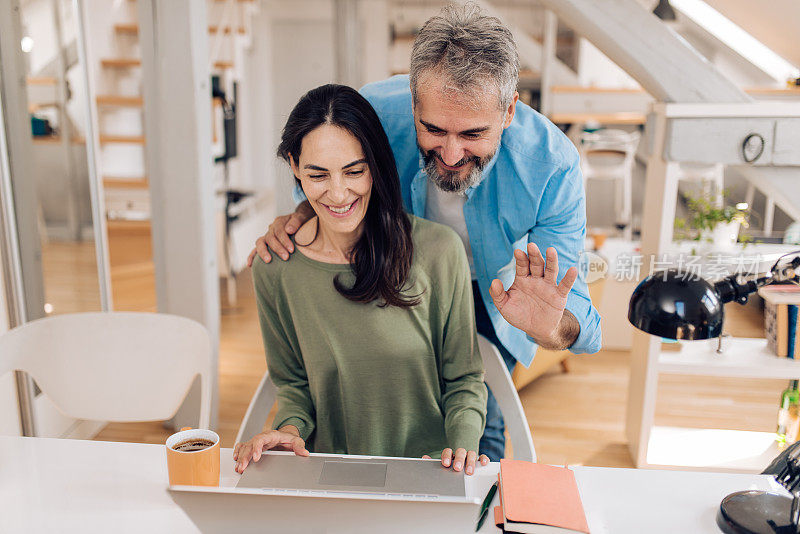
(450, 181)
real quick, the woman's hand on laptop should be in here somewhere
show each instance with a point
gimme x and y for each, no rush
(286, 438)
(461, 459)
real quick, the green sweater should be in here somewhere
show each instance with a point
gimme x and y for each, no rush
(358, 378)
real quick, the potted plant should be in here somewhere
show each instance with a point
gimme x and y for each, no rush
(714, 224)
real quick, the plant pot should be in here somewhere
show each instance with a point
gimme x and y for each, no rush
(722, 238)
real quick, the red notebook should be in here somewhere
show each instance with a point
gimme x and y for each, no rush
(539, 498)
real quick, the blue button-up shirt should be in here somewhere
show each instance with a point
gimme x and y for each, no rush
(531, 192)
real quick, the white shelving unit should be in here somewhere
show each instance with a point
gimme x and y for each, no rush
(701, 449)
(694, 448)
(718, 450)
(741, 357)
(709, 449)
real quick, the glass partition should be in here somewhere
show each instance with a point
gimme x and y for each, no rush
(56, 95)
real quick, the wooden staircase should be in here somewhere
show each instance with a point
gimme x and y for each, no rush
(122, 142)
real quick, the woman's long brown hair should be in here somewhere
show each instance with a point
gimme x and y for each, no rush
(381, 258)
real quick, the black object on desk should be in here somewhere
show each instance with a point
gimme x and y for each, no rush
(485, 506)
(766, 512)
(678, 304)
(756, 512)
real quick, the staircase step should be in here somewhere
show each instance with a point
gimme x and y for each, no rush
(133, 29)
(113, 182)
(120, 63)
(223, 65)
(127, 225)
(127, 28)
(121, 101)
(219, 1)
(225, 29)
(129, 139)
(36, 106)
(41, 80)
(56, 140)
(123, 63)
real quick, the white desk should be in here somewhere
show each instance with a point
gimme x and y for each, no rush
(51, 485)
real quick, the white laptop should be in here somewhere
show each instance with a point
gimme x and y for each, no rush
(334, 493)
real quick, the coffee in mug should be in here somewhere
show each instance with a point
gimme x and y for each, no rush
(193, 445)
(193, 458)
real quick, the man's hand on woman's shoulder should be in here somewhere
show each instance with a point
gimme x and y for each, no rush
(277, 237)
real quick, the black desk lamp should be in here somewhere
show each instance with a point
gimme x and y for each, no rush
(677, 304)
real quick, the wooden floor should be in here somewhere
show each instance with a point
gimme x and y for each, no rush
(576, 418)
(70, 277)
(71, 282)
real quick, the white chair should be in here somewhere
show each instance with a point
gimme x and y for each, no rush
(496, 377)
(115, 366)
(608, 154)
(499, 381)
(710, 177)
(769, 208)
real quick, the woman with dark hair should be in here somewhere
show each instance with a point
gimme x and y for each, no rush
(369, 330)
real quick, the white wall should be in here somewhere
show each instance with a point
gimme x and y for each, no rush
(374, 18)
(303, 47)
(595, 69)
(48, 165)
(37, 23)
(254, 108)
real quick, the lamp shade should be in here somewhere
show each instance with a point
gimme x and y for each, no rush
(673, 305)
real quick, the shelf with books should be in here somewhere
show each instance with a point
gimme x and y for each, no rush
(741, 357)
(780, 318)
(705, 449)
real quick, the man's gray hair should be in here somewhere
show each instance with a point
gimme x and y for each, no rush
(470, 49)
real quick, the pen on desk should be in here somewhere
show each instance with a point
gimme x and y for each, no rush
(485, 506)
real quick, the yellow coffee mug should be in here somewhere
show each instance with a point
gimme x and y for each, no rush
(194, 467)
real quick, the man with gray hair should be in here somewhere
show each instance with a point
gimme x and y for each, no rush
(507, 180)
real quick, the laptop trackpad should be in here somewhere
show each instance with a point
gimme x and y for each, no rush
(343, 473)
